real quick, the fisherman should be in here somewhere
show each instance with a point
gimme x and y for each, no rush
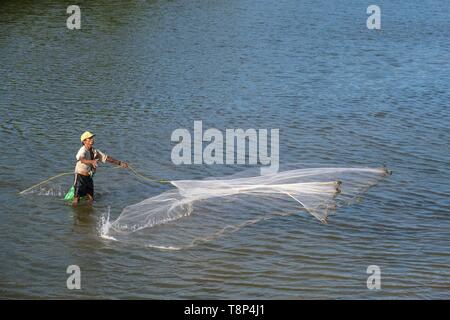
(87, 158)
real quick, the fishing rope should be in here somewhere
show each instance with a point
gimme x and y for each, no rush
(137, 174)
(49, 179)
(148, 178)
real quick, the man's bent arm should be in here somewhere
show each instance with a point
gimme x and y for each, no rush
(84, 161)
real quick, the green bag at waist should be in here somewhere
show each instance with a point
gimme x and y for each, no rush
(70, 195)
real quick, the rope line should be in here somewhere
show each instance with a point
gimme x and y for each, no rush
(38, 184)
(137, 174)
(148, 178)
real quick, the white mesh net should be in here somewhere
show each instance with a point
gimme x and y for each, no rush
(211, 207)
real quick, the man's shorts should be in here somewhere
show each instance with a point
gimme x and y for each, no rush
(84, 185)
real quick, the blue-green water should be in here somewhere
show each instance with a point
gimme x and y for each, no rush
(137, 70)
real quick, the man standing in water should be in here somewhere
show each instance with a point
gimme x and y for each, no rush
(87, 158)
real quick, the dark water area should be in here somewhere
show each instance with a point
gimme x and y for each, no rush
(340, 94)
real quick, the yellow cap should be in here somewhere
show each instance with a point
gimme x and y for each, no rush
(86, 135)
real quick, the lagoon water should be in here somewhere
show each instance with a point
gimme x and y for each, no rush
(137, 70)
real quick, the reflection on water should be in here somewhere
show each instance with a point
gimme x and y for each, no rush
(83, 214)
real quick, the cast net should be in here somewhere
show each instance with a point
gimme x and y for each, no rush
(201, 210)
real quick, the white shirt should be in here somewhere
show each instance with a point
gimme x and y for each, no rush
(84, 153)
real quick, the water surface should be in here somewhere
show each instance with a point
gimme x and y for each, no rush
(137, 70)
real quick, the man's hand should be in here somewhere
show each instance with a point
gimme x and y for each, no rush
(94, 163)
(123, 164)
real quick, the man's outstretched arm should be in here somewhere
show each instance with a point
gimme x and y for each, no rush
(117, 162)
